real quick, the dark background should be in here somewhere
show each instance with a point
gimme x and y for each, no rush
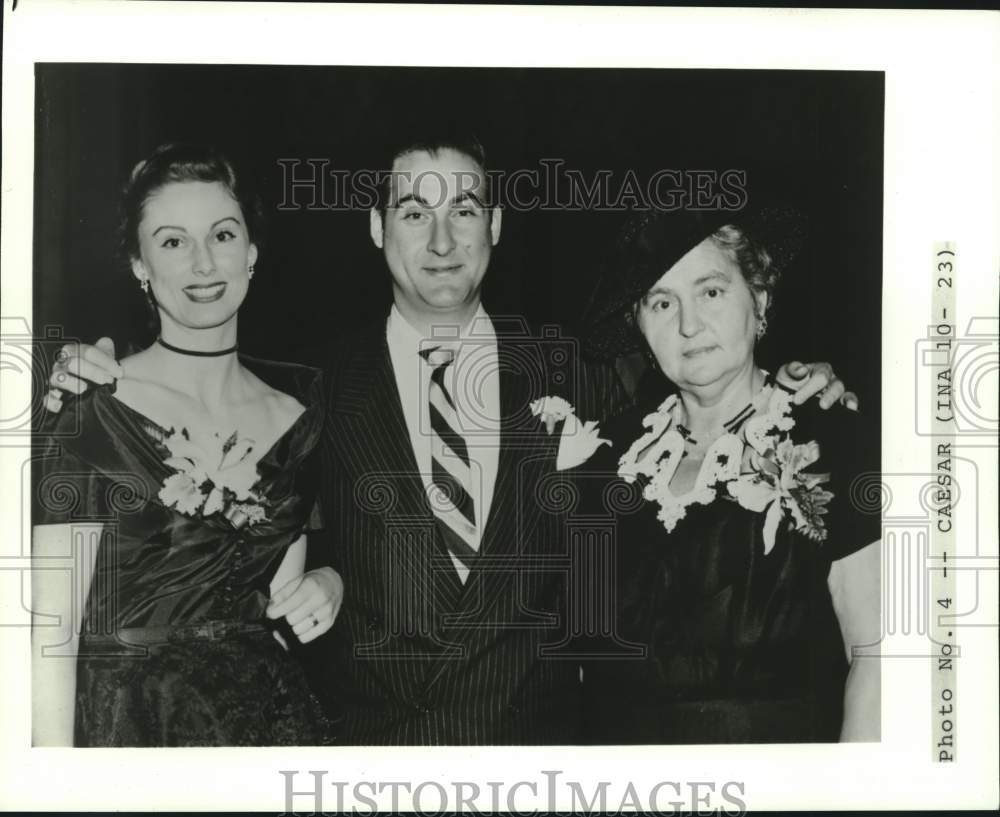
(814, 139)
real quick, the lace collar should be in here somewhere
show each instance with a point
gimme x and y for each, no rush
(655, 456)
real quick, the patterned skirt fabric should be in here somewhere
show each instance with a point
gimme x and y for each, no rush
(243, 690)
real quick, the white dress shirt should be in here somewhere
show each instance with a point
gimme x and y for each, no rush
(472, 381)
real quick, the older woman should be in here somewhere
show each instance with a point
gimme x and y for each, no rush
(183, 494)
(745, 574)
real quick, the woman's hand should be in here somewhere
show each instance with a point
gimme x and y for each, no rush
(810, 379)
(309, 603)
(77, 366)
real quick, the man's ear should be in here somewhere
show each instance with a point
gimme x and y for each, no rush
(495, 225)
(375, 226)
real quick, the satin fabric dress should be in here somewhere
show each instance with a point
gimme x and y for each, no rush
(175, 649)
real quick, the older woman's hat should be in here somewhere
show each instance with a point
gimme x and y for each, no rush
(652, 241)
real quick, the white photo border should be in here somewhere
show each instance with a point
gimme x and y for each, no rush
(941, 183)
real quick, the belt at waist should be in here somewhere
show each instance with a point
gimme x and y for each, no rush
(173, 633)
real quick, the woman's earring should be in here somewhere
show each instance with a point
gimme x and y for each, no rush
(761, 326)
(144, 285)
(250, 272)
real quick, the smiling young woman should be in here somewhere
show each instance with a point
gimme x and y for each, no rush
(195, 471)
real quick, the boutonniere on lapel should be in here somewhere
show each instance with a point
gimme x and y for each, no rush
(577, 441)
(773, 477)
(212, 474)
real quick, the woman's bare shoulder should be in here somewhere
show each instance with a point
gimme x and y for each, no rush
(279, 403)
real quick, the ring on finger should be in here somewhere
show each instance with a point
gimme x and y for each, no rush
(62, 356)
(61, 377)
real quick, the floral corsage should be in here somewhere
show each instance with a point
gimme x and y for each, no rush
(773, 478)
(759, 467)
(578, 441)
(212, 474)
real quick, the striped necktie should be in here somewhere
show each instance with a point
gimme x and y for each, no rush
(451, 474)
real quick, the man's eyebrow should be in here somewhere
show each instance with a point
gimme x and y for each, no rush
(408, 198)
(462, 198)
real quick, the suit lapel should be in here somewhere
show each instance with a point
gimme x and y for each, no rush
(370, 431)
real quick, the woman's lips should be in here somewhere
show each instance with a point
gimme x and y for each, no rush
(205, 293)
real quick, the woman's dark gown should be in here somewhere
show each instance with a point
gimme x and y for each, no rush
(740, 647)
(175, 649)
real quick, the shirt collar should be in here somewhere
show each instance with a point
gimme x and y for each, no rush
(405, 339)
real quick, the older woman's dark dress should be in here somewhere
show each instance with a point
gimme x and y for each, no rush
(175, 648)
(739, 646)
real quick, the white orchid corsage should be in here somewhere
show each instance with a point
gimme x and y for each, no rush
(759, 467)
(213, 474)
(578, 441)
(774, 480)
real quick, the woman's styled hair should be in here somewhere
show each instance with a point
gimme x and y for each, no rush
(753, 260)
(183, 163)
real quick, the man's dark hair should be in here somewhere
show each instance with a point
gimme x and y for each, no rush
(465, 143)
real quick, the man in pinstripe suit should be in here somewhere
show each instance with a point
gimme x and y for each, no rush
(440, 488)
(444, 623)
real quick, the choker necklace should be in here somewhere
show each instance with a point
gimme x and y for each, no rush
(193, 353)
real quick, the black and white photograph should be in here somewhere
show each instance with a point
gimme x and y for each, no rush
(455, 593)
(472, 408)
